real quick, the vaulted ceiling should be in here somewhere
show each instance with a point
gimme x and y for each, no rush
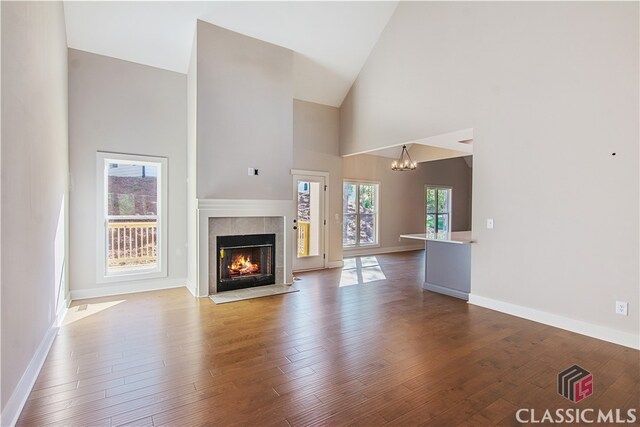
(331, 40)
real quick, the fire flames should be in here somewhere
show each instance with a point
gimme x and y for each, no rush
(242, 265)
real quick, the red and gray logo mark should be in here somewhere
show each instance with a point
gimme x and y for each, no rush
(575, 383)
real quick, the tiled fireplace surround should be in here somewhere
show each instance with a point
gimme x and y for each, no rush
(235, 217)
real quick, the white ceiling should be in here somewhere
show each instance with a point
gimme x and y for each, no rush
(331, 40)
(445, 146)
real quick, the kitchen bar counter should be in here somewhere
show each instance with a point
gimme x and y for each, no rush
(459, 237)
(447, 262)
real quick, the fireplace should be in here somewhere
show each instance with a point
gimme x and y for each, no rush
(245, 261)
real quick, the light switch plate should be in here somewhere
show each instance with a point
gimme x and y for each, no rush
(489, 223)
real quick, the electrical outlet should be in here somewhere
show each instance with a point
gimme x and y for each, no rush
(622, 308)
(251, 171)
(489, 223)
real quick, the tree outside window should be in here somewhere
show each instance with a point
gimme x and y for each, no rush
(438, 210)
(360, 214)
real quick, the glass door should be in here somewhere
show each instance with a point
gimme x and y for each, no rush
(309, 222)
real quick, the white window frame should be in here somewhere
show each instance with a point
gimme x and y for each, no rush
(358, 245)
(449, 213)
(102, 161)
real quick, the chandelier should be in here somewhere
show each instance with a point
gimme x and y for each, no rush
(404, 163)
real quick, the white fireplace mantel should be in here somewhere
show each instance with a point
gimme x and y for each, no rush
(236, 208)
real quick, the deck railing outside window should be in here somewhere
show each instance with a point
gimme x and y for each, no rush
(132, 241)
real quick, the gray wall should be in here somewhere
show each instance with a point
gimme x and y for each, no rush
(244, 116)
(549, 102)
(401, 203)
(316, 147)
(122, 107)
(34, 184)
(454, 173)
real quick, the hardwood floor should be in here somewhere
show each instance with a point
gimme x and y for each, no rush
(375, 352)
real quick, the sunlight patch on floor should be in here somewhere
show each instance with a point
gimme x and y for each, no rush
(83, 311)
(349, 263)
(369, 261)
(361, 270)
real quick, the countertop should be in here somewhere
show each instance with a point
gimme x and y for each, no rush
(458, 237)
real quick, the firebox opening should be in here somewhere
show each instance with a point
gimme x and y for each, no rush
(245, 261)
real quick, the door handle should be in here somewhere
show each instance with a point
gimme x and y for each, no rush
(295, 227)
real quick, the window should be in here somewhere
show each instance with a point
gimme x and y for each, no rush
(438, 209)
(360, 214)
(131, 217)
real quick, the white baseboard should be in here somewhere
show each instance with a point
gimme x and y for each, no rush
(329, 264)
(446, 291)
(127, 288)
(62, 311)
(578, 326)
(347, 253)
(305, 270)
(16, 402)
(335, 264)
(191, 287)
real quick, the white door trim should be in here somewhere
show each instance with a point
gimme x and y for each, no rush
(325, 175)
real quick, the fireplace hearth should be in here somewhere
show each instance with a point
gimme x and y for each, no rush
(245, 261)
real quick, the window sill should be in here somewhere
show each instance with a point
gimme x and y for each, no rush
(131, 276)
